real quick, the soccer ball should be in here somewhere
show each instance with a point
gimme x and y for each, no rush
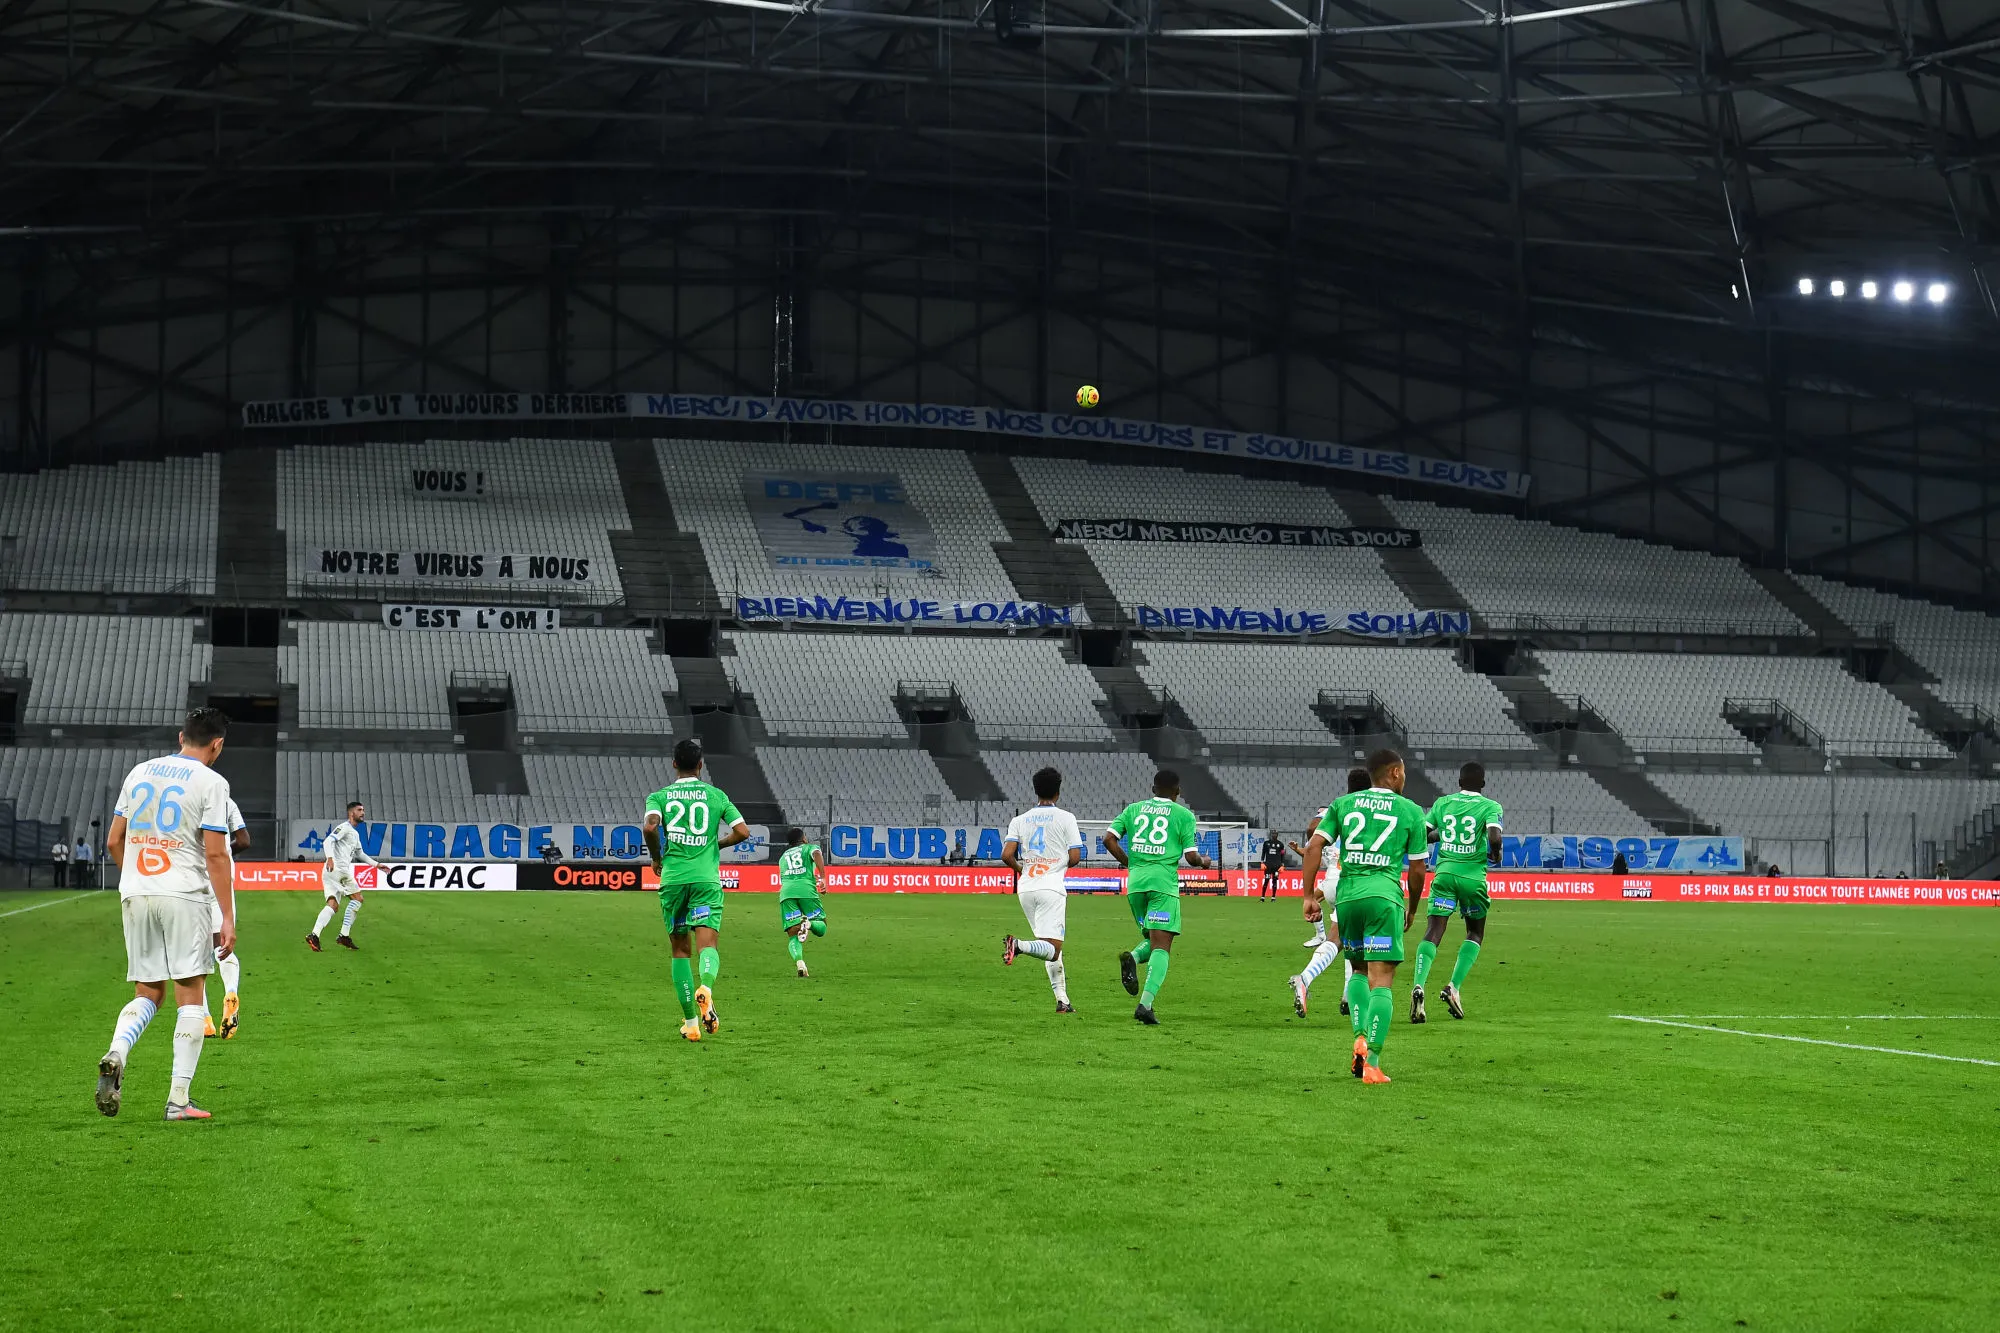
(1087, 396)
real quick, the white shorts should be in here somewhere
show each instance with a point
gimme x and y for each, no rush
(1045, 909)
(168, 939)
(336, 887)
(214, 917)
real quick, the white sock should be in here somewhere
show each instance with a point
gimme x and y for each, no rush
(1319, 929)
(132, 1020)
(1322, 959)
(1041, 949)
(1346, 970)
(232, 972)
(187, 1051)
(325, 918)
(1058, 980)
(347, 921)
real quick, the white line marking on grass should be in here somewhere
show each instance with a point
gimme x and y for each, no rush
(1808, 1041)
(1845, 1018)
(53, 902)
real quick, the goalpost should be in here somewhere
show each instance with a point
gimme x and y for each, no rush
(1228, 843)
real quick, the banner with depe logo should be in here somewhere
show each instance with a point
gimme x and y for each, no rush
(840, 522)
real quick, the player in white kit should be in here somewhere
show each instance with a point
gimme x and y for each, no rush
(230, 965)
(1325, 942)
(1041, 845)
(170, 837)
(343, 848)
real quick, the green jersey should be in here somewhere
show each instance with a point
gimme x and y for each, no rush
(693, 816)
(1461, 820)
(795, 872)
(1376, 830)
(1156, 832)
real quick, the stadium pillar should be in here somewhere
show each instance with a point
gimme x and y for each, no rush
(31, 436)
(305, 321)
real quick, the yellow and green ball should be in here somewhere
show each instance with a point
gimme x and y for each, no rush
(1087, 396)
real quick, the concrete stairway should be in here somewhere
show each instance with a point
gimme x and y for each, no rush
(249, 548)
(743, 778)
(1042, 570)
(1657, 808)
(1791, 594)
(1414, 572)
(663, 570)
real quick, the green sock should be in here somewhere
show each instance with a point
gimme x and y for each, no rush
(818, 926)
(711, 966)
(1468, 954)
(1426, 955)
(1380, 1002)
(795, 946)
(1357, 1002)
(684, 985)
(1142, 951)
(1156, 975)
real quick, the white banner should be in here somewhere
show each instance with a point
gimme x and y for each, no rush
(540, 570)
(446, 842)
(840, 522)
(447, 483)
(906, 611)
(1303, 620)
(433, 876)
(926, 416)
(472, 619)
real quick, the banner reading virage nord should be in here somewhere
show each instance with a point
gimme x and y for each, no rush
(1304, 620)
(1233, 534)
(553, 570)
(933, 842)
(576, 840)
(840, 523)
(472, 619)
(922, 416)
(906, 611)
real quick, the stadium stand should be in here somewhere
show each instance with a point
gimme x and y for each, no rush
(1519, 570)
(844, 684)
(1960, 648)
(397, 786)
(135, 527)
(1890, 823)
(1153, 574)
(1265, 694)
(61, 782)
(1095, 785)
(104, 670)
(1541, 800)
(597, 786)
(1676, 701)
(353, 675)
(889, 786)
(543, 497)
(705, 480)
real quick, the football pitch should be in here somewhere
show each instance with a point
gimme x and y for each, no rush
(487, 1120)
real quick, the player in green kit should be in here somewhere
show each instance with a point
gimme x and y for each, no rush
(1150, 838)
(1466, 825)
(1375, 833)
(687, 825)
(799, 911)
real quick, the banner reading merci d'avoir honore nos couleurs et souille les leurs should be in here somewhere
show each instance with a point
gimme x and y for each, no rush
(1168, 437)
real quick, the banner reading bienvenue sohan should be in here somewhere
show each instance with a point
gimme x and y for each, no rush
(1303, 620)
(815, 610)
(925, 416)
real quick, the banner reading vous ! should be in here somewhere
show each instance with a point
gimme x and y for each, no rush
(924, 416)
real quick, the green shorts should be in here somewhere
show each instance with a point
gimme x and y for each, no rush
(791, 911)
(1371, 930)
(685, 906)
(1459, 893)
(1153, 910)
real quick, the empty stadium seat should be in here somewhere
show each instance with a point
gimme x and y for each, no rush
(1960, 648)
(1264, 694)
(135, 527)
(1094, 785)
(1891, 824)
(1511, 569)
(1674, 701)
(396, 786)
(705, 480)
(579, 680)
(844, 684)
(63, 782)
(543, 497)
(1159, 574)
(866, 786)
(104, 670)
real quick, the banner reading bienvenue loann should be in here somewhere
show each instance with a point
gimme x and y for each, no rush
(927, 416)
(1302, 620)
(905, 611)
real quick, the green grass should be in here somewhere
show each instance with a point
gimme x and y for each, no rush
(487, 1121)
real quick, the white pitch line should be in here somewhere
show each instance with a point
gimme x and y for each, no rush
(1845, 1018)
(53, 902)
(1808, 1041)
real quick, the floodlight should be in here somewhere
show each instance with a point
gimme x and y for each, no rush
(1937, 293)
(1836, 288)
(1868, 290)
(1903, 291)
(1805, 287)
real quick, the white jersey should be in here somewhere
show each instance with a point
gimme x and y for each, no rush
(236, 825)
(167, 804)
(1329, 866)
(343, 848)
(1045, 835)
